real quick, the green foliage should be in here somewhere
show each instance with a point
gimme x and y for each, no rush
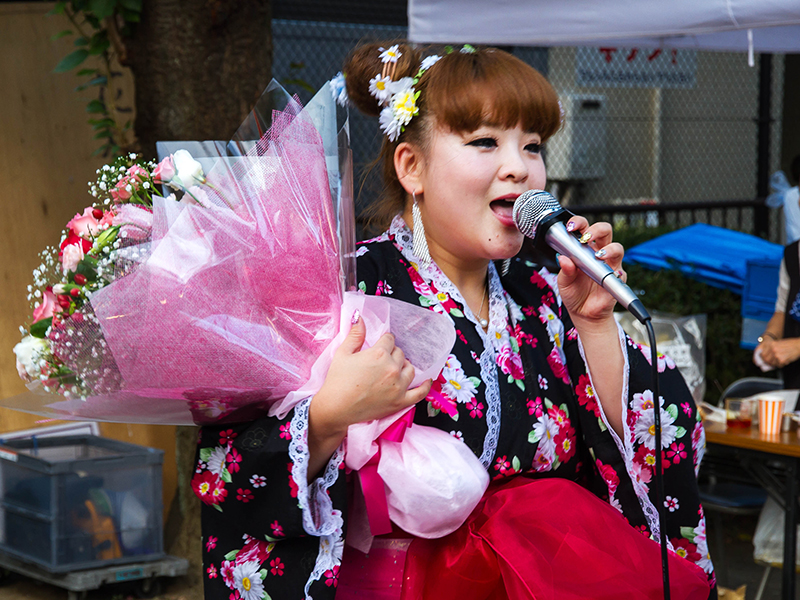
(673, 292)
(101, 25)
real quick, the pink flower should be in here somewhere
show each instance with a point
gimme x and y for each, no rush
(332, 577)
(233, 458)
(226, 570)
(244, 495)
(277, 529)
(226, 437)
(687, 409)
(88, 224)
(48, 307)
(258, 481)
(211, 543)
(120, 193)
(212, 572)
(164, 171)
(285, 435)
(293, 489)
(209, 488)
(510, 363)
(137, 174)
(502, 464)
(253, 550)
(565, 444)
(559, 370)
(676, 452)
(277, 566)
(475, 409)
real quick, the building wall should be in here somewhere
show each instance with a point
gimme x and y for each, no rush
(681, 145)
(46, 161)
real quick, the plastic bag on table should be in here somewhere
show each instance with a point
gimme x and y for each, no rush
(682, 339)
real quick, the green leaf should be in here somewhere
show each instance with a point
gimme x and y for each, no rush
(454, 416)
(672, 411)
(515, 464)
(362, 286)
(58, 9)
(96, 106)
(601, 424)
(102, 9)
(533, 437)
(217, 507)
(263, 573)
(456, 313)
(423, 301)
(134, 5)
(688, 533)
(205, 454)
(514, 344)
(81, 41)
(548, 404)
(84, 72)
(474, 381)
(565, 409)
(225, 475)
(510, 378)
(432, 412)
(71, 60)
(680, 433)
(99, 45)
(105, 133)
(520, 384)
(39, 328)
(61, 34)
(85, 268)
(231, 555)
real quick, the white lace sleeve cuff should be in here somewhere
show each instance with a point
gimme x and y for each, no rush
(320, 518)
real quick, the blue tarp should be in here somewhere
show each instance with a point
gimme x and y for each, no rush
(713, 255)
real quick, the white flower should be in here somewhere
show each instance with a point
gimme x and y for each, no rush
(379, 87)
(339, 89)
(258, 481)
(247, 580)
(389, 125)
(429, 61)
(189, 171)
(546, 429)
(29, 353)
(216, 462)
(391, 55)
(645, 429)
(71, 256)
(457, 385)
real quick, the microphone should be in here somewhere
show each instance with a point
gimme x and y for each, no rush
(539, 216)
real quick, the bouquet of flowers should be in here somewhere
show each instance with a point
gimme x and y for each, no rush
(211, 287)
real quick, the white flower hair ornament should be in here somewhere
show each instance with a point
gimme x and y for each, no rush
(398, 98)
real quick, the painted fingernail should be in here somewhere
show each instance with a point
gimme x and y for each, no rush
(584, 239)
(356, 316)
(557, 256)
(600, 253)
(620, 273)
(571, 226)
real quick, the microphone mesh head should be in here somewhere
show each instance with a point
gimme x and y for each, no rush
(530, 208)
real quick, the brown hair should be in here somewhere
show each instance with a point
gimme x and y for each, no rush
(461, 92)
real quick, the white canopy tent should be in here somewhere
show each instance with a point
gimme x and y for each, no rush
(732, 25)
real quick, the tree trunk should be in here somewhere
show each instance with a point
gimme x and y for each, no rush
(198, 66)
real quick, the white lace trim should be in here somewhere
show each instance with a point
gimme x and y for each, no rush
(626, 447)
(498, 321)
(329, 556)
(319, 516)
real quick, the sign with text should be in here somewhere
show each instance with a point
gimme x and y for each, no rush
(636, 67)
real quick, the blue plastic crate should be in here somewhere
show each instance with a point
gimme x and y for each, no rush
(761, 280)
(79, 502)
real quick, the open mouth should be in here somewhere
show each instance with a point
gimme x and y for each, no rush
(503, 208)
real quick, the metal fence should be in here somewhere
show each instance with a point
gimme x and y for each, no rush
(645, 132)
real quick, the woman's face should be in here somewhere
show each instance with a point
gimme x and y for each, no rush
(469, 184)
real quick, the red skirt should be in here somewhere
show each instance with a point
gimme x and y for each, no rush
(538, 539)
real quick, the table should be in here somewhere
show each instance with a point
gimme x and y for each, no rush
(753, 450)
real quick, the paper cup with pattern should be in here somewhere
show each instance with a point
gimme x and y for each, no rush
(770, 412)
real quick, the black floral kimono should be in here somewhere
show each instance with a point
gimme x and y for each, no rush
(525, 405)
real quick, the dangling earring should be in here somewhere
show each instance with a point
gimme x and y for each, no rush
(420, 244)
(505, 266)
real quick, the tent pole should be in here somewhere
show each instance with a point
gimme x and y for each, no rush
(764, 124)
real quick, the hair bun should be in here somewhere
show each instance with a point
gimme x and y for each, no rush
(364, 63)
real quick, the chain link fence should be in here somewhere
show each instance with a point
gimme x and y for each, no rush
(642, 127)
